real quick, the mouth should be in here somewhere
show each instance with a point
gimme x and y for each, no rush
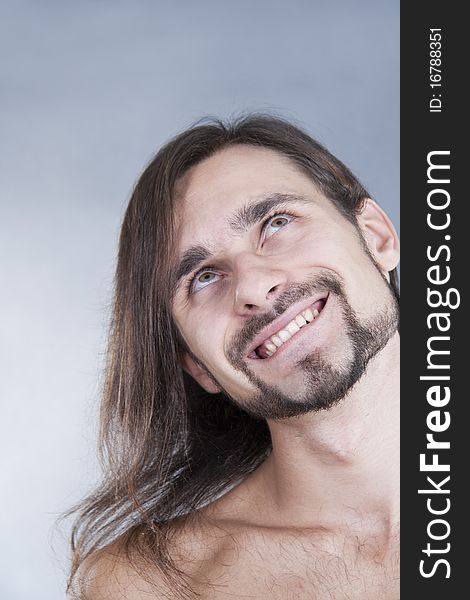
(284, 330)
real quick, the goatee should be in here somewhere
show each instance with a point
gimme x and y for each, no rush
(325, 384)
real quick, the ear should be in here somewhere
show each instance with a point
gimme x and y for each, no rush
(380, 235)
(199, 373)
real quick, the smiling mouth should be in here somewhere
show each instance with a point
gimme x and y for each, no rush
(270, 345)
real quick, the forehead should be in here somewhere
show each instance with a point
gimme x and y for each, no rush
(232, 177)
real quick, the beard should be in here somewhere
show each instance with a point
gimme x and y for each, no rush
(326, 384)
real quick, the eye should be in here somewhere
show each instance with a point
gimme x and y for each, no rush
(276, 222)
(202, 279)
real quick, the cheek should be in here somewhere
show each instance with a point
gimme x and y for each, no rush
(204, 335)
(320, 248)
(366, 288)
(347, 259)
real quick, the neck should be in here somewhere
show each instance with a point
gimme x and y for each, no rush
(344, 462)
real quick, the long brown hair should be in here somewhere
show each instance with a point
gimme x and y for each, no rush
(166, 446)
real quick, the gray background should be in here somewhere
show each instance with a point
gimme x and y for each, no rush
(89, 91)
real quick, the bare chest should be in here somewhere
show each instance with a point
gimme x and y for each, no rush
(297, 568)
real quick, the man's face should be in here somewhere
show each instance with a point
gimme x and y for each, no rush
(279, 303)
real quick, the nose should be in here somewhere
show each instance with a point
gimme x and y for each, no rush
(257, 284)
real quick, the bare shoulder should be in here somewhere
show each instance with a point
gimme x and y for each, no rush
(198, 544)
(110, 575)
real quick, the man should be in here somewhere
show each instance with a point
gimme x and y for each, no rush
(251, 410)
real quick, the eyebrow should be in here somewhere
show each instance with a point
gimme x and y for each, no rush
(238, 223)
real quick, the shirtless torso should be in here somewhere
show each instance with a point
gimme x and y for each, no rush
(243, 562)
(231, 550)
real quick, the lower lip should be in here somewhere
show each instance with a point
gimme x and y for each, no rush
(294, 337)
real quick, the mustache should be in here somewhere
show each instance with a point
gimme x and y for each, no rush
(325, 282)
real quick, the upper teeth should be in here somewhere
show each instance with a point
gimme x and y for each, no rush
(276, 340)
